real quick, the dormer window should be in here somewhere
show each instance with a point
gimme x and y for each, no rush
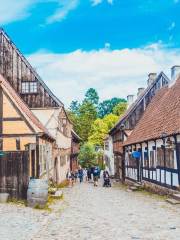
(64, 121)
(29, 87)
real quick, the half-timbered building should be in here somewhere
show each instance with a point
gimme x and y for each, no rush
(50, 111)
(58, 124)
(127, 123)
(26, 146)
(75, 148)
(152, 151)
(15, 68)
(109, 155)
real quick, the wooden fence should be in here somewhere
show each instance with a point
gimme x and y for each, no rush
(14, 169)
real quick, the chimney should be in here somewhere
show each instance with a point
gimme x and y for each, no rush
(151, 78)
(175, 74)
(130, 100)
(140, 91)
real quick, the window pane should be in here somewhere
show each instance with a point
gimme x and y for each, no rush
(25, 87)
(33, 87)
(29, 87)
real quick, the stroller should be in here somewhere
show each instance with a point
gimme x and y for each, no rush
(107, 182)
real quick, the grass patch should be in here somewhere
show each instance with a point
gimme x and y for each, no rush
(17, 201)
(148, 192)
(51, 200)
(63, 184)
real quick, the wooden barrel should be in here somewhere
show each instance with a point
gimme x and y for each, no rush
(37, 194)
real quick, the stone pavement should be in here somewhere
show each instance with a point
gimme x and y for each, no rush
(90, 213)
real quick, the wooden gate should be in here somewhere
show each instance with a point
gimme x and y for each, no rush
(14, 177)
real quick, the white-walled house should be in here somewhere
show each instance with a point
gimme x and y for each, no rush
(124, 127)
(56, 121)
(152, 151)
(109, 155)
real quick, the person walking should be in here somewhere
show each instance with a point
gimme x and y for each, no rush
(76, 175)
(80, 174)
(68, 176)
(89, 174)
(85, 174)
(72, 178)
(96, 176)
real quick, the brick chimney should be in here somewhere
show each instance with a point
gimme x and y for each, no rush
(140, 91)
(151, 78)
(175, 74)
(130, 100)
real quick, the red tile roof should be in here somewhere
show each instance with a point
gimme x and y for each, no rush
(22, 105)
(161, 116)
(139, 99)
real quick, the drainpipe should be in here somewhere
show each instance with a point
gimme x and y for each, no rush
(177, 158)
(148, 158)
(37, 157)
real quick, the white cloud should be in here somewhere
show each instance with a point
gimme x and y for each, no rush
(65, 6)
(172, 26)
(112, 72)
(11, 10)
(97, 2)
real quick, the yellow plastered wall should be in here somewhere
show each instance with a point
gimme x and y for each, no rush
(8, 109)
(14, 127)
(9, 144)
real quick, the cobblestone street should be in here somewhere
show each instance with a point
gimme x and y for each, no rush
(94, 214)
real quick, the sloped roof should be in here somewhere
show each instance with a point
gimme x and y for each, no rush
(22, 106)
(161, 116)
(76, 135)
(58, 102)
(138, 100)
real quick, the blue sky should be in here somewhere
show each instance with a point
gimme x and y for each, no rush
(76, 44)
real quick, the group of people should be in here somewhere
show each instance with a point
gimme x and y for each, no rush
(84, 174)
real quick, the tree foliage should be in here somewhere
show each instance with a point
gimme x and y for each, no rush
(100, 129)
(120, 109)
(83, 119)
(74, 107)
(92, 120)
(107, 106)
(87, 156)
(92, 96)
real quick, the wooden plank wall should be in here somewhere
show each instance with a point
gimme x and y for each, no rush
(16, 70)
(14, 174)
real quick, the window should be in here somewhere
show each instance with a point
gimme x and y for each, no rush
(62, 160)
(152, 160)
(25, 87)
(107, 146)
(160, 157)
(169, 158)
(33, 87)
(146, 159)
(44, 157)
(18, 145)
(132, 162)
(29, 87)
(1, 144)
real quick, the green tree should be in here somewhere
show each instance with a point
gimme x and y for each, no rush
(84, 120)
(120, 109)
(100, 129)
(74, 107)
(92, 96)
(107, 106)
(87, 156)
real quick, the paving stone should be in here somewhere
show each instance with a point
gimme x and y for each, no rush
(89, 213)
